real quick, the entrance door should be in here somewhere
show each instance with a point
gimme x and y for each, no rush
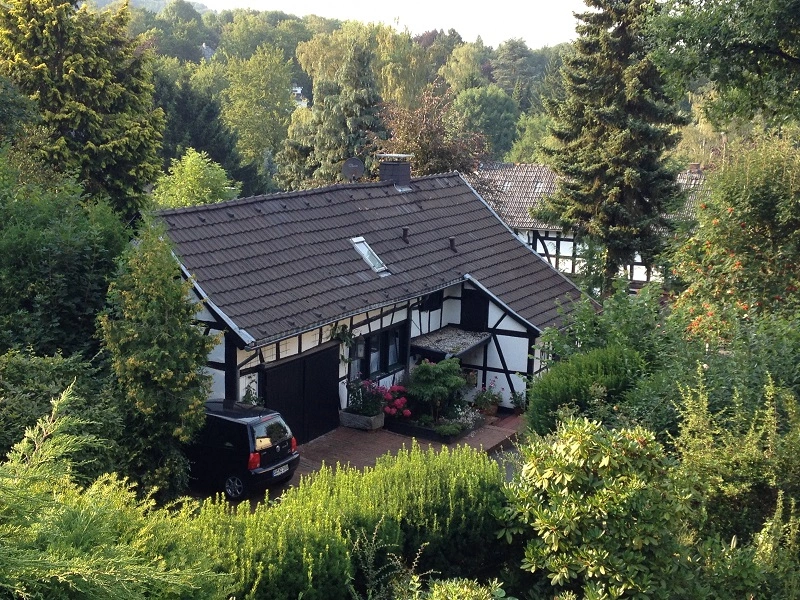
(305, 391)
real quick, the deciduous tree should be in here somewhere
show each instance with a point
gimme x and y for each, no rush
(749, 49)
(434, 135)
(194, 179)
(491, 112)
(743, 258)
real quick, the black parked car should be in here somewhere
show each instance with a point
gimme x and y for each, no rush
(241, 448)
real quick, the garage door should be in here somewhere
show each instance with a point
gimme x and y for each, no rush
(305, 390)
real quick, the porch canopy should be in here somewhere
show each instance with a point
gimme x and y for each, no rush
(448, 342)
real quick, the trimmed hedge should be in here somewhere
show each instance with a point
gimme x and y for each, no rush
(601, 374)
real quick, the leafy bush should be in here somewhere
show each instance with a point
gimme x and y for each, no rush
(27, 385)
(602, 375)
(436, 385)
(599, 512)
(739, 460)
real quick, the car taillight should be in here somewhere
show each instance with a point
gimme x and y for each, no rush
(294, 444)
(255, 461)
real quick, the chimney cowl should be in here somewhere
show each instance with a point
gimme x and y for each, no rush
(453, 244)
(405, 234)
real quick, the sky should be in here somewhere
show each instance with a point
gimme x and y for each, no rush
(538, 22)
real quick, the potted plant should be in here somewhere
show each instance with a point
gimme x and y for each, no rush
(487, 399)
(365, 402)
(519, 400)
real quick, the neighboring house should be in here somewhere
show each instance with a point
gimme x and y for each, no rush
(310, 289)
(514, 189)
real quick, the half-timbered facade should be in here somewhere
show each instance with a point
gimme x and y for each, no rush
(515, 189)
(308, 290)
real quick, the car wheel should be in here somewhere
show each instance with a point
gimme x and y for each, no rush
(234, 487)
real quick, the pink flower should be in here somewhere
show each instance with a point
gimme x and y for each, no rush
(406, 413)
(387, 410)
(400, 402)
(392, 411)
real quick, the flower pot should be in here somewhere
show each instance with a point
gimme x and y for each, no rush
(490, 410)
(367, 423)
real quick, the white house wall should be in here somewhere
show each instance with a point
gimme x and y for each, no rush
(510, 338)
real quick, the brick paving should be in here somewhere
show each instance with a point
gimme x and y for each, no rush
(361, 449)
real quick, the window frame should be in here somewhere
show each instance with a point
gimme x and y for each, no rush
(381, 342)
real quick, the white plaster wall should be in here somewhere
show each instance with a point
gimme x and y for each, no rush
(217, 383)
(217, 353)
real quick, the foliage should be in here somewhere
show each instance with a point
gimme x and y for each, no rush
(439, 501)
(344, 121)
(257, 105)
(487, 396)
(15, 110)
(740, 459)
(194, 179)
(158, 355)
(434, 134)
(532, 132)
(749, 50)
(92, 86)
(612, 130)
(630, 320)
(194, 120)
(466, 67)
(598, 512)
(742, 258)
(599, 376)
(435, 385)
(514, 70)
(491, 112)
(59, 540)
(27, 385)
(181, 32)
(57, 250)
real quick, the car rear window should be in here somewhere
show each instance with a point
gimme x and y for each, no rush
(269, 432)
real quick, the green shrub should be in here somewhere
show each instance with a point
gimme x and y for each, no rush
(436, 385)
(442, 502)
(603, 374)
(27, 385)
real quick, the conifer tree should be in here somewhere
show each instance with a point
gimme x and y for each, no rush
(345, 121)
(613, 128)
(157, 355)
(93, 88)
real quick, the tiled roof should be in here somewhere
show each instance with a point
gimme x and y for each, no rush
(514, 188)
(280, 264)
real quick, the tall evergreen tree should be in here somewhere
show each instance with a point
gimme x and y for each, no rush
(345, 122)
(93, 87)
(613, 129)
(157, 355)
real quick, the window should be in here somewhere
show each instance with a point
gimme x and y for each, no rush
(379, 353)
(368, 254)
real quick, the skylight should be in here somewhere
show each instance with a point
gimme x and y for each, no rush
(368, 254)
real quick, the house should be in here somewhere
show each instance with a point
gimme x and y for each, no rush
(311, 289)
(515, 189)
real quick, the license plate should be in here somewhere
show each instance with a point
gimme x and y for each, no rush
(280, 470)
